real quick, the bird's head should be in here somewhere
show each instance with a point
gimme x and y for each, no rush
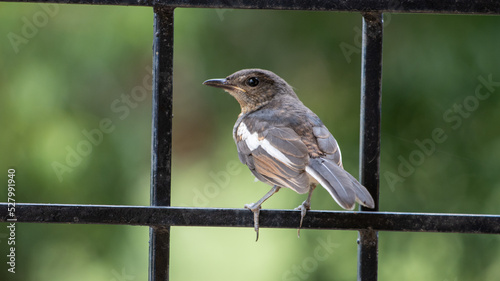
(252, 88)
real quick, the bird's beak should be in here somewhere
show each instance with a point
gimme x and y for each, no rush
(215, 82)
(220, 83)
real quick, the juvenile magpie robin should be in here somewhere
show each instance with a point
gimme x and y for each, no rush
(285, 144)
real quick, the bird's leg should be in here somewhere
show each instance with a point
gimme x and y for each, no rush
(255, 208)
(304, 207)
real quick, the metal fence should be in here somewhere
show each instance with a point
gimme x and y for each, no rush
(160, 216)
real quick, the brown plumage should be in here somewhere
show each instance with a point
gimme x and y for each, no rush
(285, 144)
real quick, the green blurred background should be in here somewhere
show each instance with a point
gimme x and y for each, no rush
(65, 69)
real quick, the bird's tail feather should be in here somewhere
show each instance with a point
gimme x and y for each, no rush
(363, 197)
(343, 187)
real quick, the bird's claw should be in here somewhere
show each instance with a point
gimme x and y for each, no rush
(304, 207)
(256, 211)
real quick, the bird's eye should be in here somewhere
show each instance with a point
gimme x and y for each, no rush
(252, 81)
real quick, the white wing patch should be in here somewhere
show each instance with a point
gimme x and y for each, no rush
(253, 142)
(340, 157)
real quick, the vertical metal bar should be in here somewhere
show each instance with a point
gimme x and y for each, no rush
(371, 98)
(161, 143)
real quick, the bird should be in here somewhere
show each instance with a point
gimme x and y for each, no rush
(284, 144)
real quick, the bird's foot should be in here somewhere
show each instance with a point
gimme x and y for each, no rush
(256, 211)
(304, 207)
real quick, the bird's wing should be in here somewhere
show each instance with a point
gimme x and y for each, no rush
(327, 144)
(276, 156)
(328, 171)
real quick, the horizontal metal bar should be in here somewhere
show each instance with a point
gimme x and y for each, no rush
(385, 6)
(177, 216)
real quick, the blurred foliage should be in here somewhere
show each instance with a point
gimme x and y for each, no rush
(66, 69)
